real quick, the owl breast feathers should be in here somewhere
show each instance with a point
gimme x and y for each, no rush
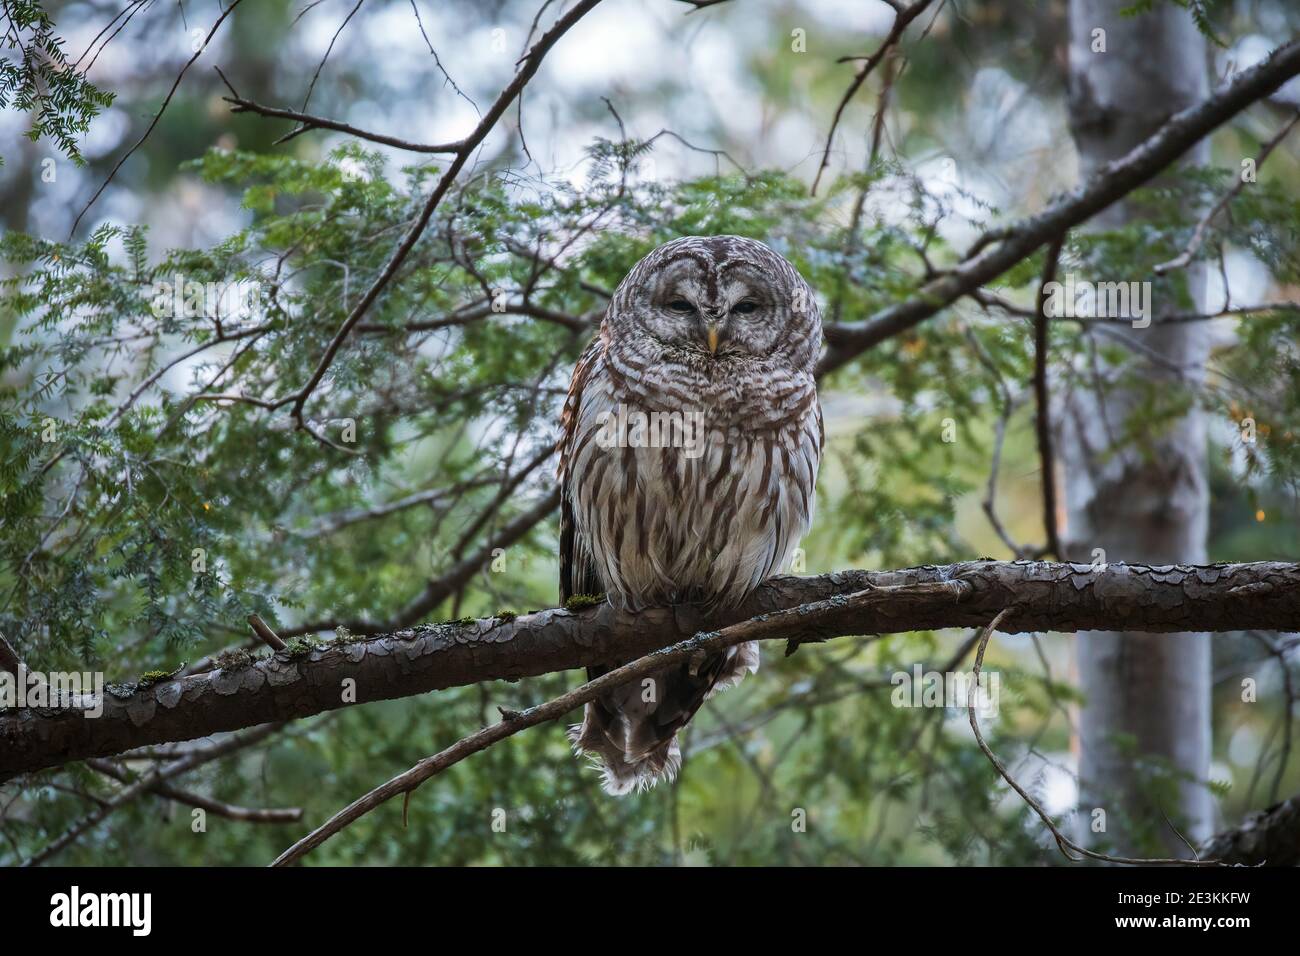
(692, 438)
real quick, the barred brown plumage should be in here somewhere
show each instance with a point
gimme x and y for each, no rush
(688, 466)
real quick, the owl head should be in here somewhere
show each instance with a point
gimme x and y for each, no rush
(718, 298)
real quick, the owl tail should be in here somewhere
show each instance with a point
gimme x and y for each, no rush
(632, 730)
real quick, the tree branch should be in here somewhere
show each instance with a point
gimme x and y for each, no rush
(1270, 837)
(228, 811)
(528, 67)
(309, 122)
(1067, 846)
(903, 18)
(146, 784)
(1198, 234)
(814, 621)
(303, 680)
(1042, 401)
(440, 588)
(157, 116)
(1002, 248)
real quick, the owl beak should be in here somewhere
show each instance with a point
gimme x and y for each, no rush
(711, 337)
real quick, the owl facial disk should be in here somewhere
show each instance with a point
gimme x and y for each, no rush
(710, 316)
(723, 298)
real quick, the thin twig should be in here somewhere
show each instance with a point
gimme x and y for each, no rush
(157, 116)
(1064, 843)
(263, 631)
(529, 67)
(228, 811)
(1198, 236)
(1042, 414)
(902, 19)
(311, 87)
(308, 121)
(149, 780)
(1288, 707)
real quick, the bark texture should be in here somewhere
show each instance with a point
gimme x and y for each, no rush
(303, 681)
(1147, 698)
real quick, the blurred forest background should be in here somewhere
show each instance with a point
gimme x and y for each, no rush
(645, 122)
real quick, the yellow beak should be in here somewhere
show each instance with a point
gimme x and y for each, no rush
(711, 334)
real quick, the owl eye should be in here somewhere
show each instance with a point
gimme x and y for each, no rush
(744, 308)
(681, 305)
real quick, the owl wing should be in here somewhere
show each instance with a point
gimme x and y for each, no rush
(577, 569)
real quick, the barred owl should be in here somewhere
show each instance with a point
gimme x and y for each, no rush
(692, 434)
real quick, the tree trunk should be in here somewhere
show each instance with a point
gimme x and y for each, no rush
(1147, 697)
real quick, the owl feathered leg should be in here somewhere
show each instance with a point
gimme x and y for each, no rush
(632, 730)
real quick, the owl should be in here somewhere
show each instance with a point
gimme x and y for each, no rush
(692, 435)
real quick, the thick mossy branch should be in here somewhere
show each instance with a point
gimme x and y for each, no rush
(310, 679)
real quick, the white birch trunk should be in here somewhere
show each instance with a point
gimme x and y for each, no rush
(1147, 696)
